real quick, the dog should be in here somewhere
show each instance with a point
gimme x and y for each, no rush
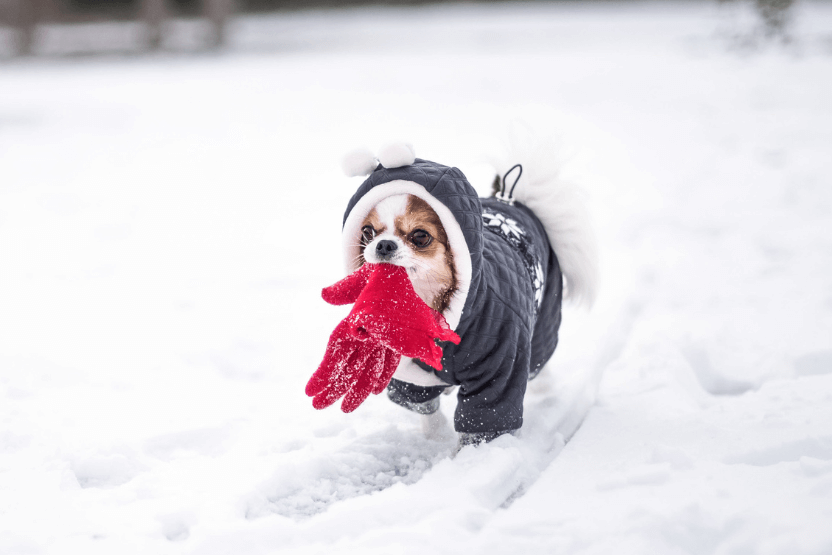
(497, 268)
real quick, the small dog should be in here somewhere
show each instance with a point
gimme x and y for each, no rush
(494, 267)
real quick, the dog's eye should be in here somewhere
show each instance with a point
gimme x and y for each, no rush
(420, 238)
(367, 234)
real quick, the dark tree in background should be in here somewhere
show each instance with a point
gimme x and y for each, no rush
(775, 15)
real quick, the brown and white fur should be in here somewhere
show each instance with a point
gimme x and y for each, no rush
(404, 230)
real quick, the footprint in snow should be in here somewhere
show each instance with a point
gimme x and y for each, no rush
(372, 463)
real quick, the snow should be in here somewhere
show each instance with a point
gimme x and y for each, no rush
(167, 223)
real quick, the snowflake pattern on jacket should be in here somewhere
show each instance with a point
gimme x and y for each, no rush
(511, 231)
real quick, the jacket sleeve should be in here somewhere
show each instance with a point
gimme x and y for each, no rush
(491, 366)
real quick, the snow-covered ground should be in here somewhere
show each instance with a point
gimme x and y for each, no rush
(167, 223)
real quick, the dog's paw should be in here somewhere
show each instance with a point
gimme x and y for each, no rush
(478, 438)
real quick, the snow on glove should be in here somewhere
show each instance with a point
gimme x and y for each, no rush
(352, 368)
(389, 311)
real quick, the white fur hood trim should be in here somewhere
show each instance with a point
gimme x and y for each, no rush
(456, 239)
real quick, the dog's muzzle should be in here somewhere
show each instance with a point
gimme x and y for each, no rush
(386, 249)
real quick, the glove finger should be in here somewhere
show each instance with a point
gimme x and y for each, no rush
(318, 380)
(391, 362)
(444, 334)
(321, 377)
(357, 395)
(332, 392)
(441, 330)
(432, 361)
(336, 295)
(367, 362)
(337, 349)
(348, 289)
(436, 356)
(342, 380)
(372, 365)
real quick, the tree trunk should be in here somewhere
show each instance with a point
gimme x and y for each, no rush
(153, 13)
(29, 12)
(217, 12)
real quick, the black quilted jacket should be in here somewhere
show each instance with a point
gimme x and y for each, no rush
(510, 320)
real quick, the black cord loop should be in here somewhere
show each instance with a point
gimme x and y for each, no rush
(505, 177)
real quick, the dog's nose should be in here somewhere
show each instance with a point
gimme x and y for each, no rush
(386, 248)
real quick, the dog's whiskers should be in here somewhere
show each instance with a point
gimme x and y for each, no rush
(430, 272)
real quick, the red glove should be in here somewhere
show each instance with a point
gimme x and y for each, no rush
(388, 320)
(389, 311)
(352, 367)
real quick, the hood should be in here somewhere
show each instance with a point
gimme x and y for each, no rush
(454, 200)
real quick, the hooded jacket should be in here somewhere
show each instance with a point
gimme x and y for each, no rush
(507, 306)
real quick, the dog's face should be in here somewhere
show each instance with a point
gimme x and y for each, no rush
(404, 230)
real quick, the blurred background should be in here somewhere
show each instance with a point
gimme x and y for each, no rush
(74, 26)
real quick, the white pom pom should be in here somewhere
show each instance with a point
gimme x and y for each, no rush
(360, 161)
(396, 155)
